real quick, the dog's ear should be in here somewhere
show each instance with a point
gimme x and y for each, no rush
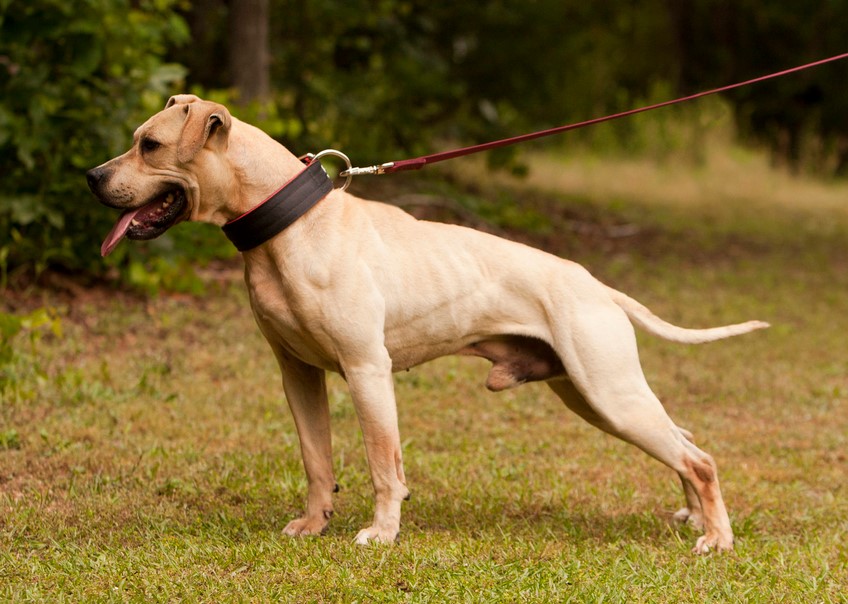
(181, 99)
(206, 124)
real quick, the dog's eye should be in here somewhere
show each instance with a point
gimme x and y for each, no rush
(148, 145)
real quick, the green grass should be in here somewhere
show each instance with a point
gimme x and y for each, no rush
(147, 453)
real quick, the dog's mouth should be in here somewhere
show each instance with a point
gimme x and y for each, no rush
(148, 221)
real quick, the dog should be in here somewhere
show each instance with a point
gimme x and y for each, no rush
(363, 289)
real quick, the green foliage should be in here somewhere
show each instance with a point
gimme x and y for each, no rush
(389, 79)
(168, 262)
(20, 336)
(10, 439)
(74, 77)
(372, 80)
(384, 78)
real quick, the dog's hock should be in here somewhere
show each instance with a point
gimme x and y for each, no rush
(206, 124)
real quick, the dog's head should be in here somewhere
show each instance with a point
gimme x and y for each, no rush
(156, 183)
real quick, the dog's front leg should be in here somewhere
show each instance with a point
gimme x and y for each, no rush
(306, 393)
(372, 390)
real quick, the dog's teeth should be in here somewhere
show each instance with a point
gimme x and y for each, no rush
(134, 222)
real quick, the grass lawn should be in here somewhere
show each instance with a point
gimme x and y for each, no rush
(148, 455)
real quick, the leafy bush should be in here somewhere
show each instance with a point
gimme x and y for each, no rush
(75, 77)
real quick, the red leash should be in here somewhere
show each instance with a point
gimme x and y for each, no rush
(419, 162)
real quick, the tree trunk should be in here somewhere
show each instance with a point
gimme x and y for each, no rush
(250, 60)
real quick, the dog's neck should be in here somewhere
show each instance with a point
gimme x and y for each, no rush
(263, 166)
(275, 189)
(280, 211)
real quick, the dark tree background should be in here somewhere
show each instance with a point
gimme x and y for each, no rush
(401, 69)
(382, 79)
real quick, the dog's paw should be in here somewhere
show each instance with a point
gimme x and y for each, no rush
(306, 526)
(713, 543)
(686, 516)
(373, 534)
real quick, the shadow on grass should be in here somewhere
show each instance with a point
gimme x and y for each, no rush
(495, 518)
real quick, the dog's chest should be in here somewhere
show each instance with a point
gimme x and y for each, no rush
(287, 329)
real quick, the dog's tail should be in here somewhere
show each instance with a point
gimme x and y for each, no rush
(651, 323)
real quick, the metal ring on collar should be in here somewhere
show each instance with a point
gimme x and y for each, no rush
(339, 154)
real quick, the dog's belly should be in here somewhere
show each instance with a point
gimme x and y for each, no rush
(516, 359)
(472, 314)
(413, 345)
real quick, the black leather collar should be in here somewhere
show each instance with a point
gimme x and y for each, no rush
(281, 210)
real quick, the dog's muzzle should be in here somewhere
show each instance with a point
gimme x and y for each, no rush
(147, 221)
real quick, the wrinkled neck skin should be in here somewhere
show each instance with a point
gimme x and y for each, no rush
(253, 168)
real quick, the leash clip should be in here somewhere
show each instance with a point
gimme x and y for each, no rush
(376, 169)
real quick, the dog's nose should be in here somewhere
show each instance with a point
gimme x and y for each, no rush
(94, 178)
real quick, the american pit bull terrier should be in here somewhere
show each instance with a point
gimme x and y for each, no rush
(364, 289)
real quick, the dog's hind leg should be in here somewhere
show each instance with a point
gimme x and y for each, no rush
(306, 394)
(609, 390)
(692, 514)
(569, 395)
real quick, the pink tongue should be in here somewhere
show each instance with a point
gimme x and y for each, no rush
(118, 232)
